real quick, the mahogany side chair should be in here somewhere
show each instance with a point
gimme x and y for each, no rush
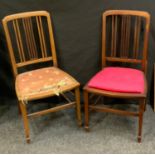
(30, 41)
(124, 64)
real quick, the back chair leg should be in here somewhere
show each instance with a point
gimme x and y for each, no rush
(86, 109)
(145, 105)
(25, 120)
(78, 107)
(141, 111)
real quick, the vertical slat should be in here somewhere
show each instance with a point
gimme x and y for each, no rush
(115, 39)
(135, 39)
(41, 36)
(27, 37)
(129, 31)
(136, 36)
(122, 36)
(114, 36)
(127, 37)
(33, 40)
(19, 40)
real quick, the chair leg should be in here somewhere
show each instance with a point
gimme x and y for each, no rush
(86, 109)
(145, 106)
(141, 111)
(25, 120)
(78, 107)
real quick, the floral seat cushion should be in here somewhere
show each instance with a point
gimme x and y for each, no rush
(43, 82)
(119, 79)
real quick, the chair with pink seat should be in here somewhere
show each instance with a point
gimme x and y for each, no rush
(124, 41)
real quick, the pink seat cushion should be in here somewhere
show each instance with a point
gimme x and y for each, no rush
(119, 79)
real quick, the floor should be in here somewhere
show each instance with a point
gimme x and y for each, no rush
(59, 133)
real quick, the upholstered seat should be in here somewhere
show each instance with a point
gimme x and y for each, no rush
(43, 82)
(119, 79)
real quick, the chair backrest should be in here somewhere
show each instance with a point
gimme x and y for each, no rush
(125, 37)
(29, 38)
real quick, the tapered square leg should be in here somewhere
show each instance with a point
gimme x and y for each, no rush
(78, 106)
(141, 111)
(25, 120)
(86, 110)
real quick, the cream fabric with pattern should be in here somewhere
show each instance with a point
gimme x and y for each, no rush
(42, 82)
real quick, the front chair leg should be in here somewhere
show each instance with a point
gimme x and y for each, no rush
(78, 107)
(141, 111)
(25, 120)
(86, 109)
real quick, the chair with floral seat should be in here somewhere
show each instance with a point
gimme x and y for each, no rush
(124, 64)
(30, 41)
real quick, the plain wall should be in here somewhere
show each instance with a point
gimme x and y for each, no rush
(77, 32)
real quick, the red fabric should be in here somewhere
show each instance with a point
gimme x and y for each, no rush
(119, 79)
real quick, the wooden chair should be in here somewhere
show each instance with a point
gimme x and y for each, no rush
(30, 41)
(124, 41)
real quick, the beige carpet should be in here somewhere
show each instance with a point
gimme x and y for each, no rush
(58, 133)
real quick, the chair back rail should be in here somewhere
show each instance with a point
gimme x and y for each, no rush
(128, 38)
(28, 40)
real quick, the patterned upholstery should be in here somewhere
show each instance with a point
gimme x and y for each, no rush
(119, 79)
(43, 82)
